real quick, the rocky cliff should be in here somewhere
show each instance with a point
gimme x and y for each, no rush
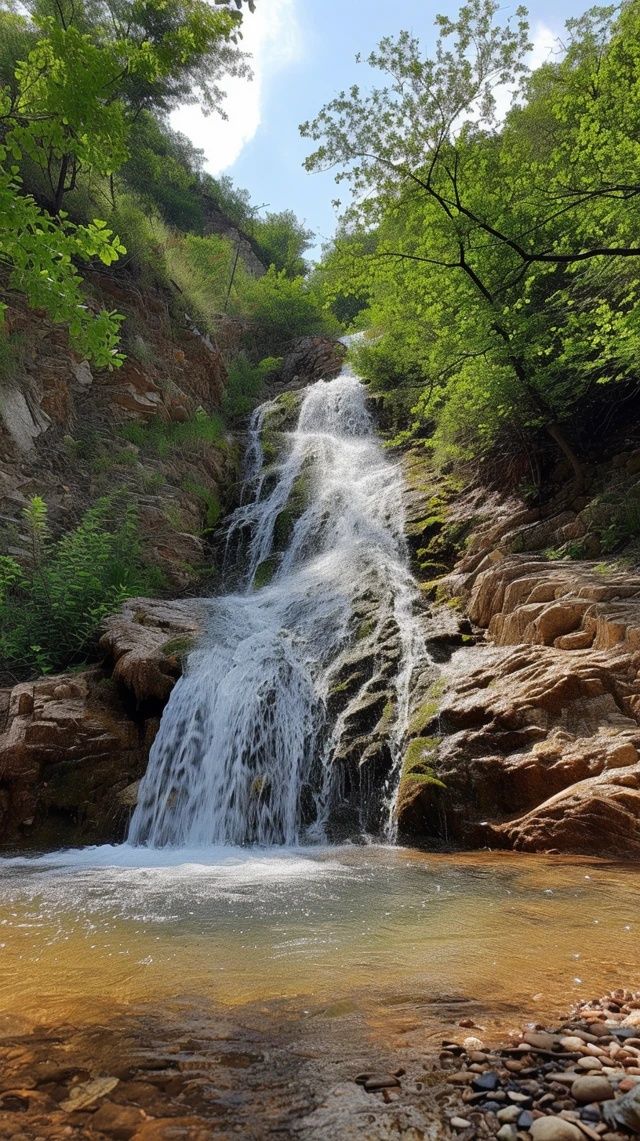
(525, 725)
(71, 433)
(530, 736)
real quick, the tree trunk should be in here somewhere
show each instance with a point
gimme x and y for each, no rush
(559, 438)
(60, 188)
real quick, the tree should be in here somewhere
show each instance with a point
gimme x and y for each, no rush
(283, 240)
(40, 254)
(448, 190)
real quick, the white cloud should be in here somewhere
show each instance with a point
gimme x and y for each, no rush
(273, 37)
(545, 45)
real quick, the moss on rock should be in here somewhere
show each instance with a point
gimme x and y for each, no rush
(427, 711)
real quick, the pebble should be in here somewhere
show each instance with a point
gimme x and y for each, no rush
(589, 1063)
(555, 1129)
(509, 1115)
(380, 1081)
(488, 1081)
(540, 1039)
(507, 1133)
(460, 1123)
(588, 1089)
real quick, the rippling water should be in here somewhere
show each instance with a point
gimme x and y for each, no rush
(84, 933)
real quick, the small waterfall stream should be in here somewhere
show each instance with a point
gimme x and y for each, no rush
(245, 749)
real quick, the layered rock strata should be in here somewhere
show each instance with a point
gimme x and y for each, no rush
(531, 737)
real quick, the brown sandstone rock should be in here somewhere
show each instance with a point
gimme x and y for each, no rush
(146, 641)
(75, 745)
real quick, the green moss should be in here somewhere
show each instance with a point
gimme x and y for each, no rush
(288, 517)
(388, 717)
(209, 501)
(417, 754)
(427, 566)
(430, 524)
(365, 629)
(417, 764)
(428, 777)
(265, 572)
(428, 709)
(179, 646)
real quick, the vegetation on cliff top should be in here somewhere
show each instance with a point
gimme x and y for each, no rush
(494, 255)
(91, 172)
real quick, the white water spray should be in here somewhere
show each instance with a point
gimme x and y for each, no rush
(245, 747)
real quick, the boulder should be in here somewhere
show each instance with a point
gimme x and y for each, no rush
(73, 747)
(146, 642)
(312, 358)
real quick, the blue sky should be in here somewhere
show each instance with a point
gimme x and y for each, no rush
(303, 53)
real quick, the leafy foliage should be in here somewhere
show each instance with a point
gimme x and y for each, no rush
(498, 257)
(283, 241)
(245, 384)
(51, 608)
(75, 80)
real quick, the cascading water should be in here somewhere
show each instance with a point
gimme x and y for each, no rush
(245, 749)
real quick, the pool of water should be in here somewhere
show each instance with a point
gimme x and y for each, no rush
(366, 929)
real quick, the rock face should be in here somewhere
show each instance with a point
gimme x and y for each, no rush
(68, 430)
(532, 737)
(309, 359)
(73, 746)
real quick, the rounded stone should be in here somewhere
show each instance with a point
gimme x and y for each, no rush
(591, 1088)
(555, 1129)
(540, 1039)
(590, 1063)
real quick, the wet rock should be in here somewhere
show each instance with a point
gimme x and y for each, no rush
(310, 359)
(119, 1121)
(487, 1082)
(624, 1112)
(86, 1093)
(539, 1039)
(380, 1082)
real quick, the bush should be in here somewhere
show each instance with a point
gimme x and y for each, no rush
(51, 608)
(281, 309)
(245, 385)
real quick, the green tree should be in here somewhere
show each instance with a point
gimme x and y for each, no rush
(283, 240)
(488, 244)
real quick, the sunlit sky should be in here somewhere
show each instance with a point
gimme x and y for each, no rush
(303, 53)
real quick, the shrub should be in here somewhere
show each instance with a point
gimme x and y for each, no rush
(245, 385)
(281, 309)
(51, 607)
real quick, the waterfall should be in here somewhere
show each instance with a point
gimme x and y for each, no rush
(245, 750)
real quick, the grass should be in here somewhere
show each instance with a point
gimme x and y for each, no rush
(161, 437)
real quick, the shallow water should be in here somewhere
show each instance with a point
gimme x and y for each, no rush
(365, 931)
